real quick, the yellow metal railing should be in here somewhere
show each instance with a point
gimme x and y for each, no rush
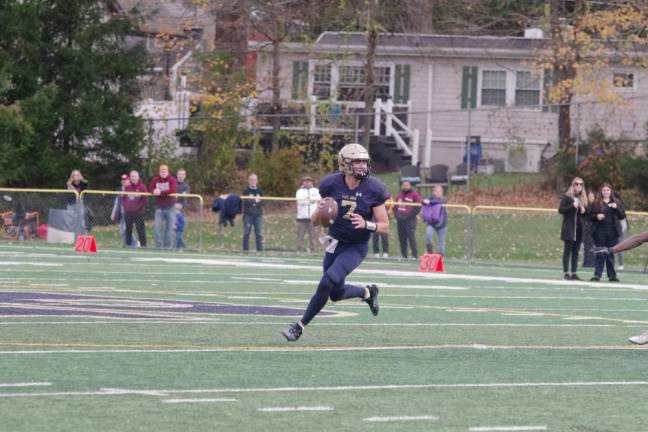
(198, 197)
(467, 234)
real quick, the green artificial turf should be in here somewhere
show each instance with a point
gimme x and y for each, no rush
(478, 346)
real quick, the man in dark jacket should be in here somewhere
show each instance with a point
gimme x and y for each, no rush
(228, 206)
(252, 214)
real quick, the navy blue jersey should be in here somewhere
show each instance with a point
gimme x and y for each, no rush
(370, 193)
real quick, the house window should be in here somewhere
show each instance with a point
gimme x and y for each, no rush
(381, 83)
(623, 80)
(322, 81)
(351, 83)
(527, 89)
(493, 88)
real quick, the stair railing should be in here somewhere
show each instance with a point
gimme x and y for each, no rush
(395, 128)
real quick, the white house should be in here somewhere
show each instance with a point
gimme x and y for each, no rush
(445, 88)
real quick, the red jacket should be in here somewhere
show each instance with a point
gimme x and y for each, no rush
(406, 212)
(134, 204)
(167, 186)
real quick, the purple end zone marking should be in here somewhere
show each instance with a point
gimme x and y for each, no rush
(39, 303)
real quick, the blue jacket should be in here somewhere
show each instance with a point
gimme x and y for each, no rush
(228, 207)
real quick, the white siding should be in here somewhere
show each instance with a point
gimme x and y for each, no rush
(498, 127)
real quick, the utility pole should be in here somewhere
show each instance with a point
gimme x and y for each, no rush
(371, 32)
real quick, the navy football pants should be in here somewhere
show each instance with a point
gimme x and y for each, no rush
(337, 266)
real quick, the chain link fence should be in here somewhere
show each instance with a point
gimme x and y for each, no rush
(481, 234)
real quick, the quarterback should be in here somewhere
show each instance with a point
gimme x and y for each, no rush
(360, 199)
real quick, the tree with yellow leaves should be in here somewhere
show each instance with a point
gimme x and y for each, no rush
(582, 53)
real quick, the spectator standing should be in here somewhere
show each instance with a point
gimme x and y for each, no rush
(573, 207)
(117, 214)
(252, 214)
(228, 206)
(179, 227)
(307, 197)
(379, 240)
(134, 209)
(77, 183)
(606, 213)
(162, 186)
(436, 216)
(182, 187)
(406, 218)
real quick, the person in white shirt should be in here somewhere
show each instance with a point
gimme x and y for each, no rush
(307, 197)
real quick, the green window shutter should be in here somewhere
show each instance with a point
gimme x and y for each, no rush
(402, 83)
(465, 81)
(473, 87)
(469, 87)
(300, 80)
(547, 82)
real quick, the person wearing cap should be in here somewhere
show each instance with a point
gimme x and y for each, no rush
(117, 214)
(163, 186)
(307, 197)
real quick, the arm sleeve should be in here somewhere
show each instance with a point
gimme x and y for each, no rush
(566, 205)
(325, 189)
(620, 210)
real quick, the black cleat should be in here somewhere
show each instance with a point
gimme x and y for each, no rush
(372, 301)
(292, 332)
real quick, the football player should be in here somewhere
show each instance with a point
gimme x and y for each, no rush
(360, 198)
(627, 244)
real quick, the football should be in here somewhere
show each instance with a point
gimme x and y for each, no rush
(328, 212)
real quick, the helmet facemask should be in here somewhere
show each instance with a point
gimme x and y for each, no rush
(358, 174)
(350, 153)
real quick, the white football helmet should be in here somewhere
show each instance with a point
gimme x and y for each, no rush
(350, 153)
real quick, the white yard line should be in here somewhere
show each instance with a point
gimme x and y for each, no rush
(26, 384)
(296, 408)
(373, 271)
(109, 349)
(166, 392)
(218, 321)
(120, 391)
(400, 418)
(506, 428)
(182, 401)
